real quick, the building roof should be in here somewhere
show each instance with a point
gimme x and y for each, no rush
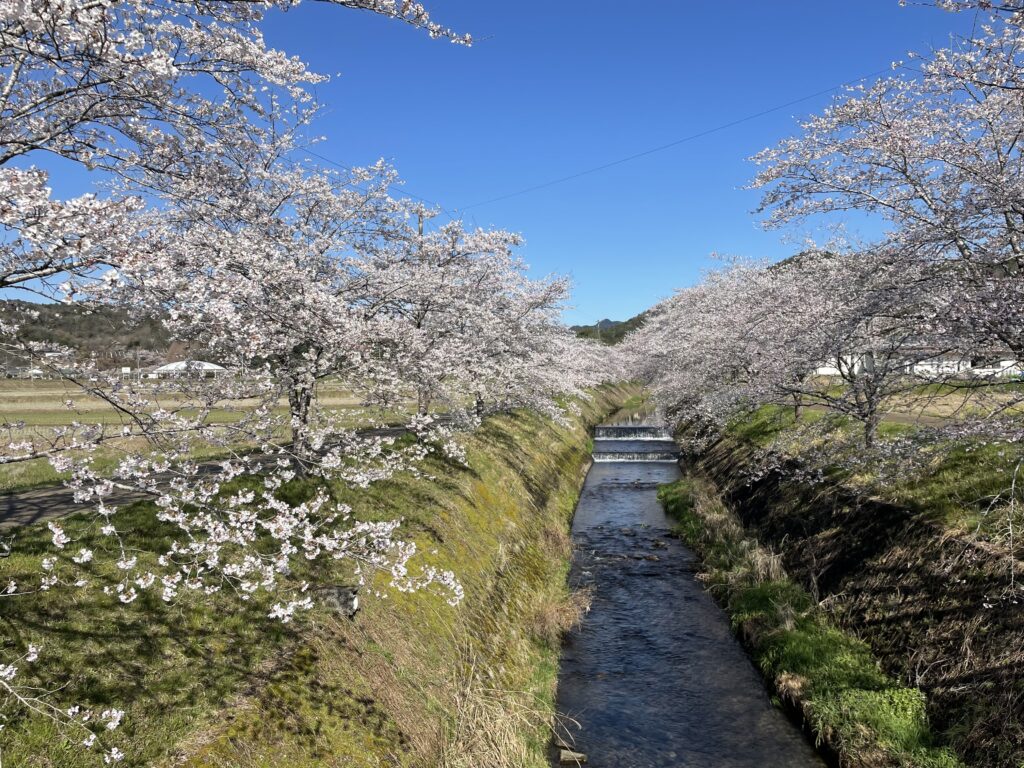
(188, 365)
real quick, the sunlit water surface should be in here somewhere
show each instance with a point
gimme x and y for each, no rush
(654, 676)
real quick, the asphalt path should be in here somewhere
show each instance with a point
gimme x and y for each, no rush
(47, 503)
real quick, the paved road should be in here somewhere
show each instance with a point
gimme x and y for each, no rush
(26, 507)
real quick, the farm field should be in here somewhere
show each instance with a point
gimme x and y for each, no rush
(30, 410)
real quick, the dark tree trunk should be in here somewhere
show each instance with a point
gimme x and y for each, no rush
(871, 429)
(301, 393)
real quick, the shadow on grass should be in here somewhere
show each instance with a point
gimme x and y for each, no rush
(939, 610)
(164, 664)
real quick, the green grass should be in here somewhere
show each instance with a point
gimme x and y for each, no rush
(956, 485)
(762, 425)
(770, 422)
(831, 677)
(637, 405)
(959, 488)
(39, 473)
(213, 682)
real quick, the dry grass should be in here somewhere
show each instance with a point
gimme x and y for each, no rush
(555, 614)
(489, 721)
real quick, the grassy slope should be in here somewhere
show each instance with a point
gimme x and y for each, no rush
(956, 487)
(920, 564)
(865, 717)
(410, 682)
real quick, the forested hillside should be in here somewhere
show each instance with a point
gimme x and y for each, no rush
(610, 331)
(108, 332)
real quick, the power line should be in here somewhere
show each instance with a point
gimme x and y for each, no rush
(629, 158)
(671, 144)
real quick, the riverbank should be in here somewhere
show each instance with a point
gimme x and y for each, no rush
(410, 681)
(934, 605)
(860, 717)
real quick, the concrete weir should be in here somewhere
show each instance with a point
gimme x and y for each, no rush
(654, 677)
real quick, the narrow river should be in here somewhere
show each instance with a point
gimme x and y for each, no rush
(654, 677)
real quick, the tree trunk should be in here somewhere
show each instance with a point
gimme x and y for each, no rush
(301, 393)
(871, 429)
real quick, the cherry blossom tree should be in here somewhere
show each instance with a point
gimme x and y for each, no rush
(936, 155)
(292, 278)
(164, 98)
(1013, 7)
(144, 90)
(842, 331)
(868, 318)
(475, 328)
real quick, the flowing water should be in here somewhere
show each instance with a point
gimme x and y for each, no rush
(654, 677)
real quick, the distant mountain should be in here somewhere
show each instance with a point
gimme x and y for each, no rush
(109, 333)
(609, 331)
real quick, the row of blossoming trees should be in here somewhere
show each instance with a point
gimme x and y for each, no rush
(857, 329)
(289, 276)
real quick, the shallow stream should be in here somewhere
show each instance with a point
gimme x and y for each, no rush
(654, 677)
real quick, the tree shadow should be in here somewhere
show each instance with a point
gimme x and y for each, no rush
(938, 609)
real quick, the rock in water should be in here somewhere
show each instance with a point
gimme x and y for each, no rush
(568, 757)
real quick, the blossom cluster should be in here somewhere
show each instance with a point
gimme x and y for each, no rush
(932, 308)
(296, 280)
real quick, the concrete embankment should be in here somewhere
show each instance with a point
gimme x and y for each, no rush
(932, 605)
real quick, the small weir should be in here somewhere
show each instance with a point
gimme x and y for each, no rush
(654, 678)
(631, 432)
(636, 456)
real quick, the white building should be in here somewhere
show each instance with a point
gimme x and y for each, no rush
(848, 363)
(929, 368)
(194, 368)
(938, 367)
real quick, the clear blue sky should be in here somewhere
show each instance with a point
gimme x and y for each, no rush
(554, 88)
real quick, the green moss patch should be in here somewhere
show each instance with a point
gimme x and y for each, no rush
(862, 715)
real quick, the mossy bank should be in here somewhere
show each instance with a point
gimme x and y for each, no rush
(928, 602)
(858, 715)
(411, 681)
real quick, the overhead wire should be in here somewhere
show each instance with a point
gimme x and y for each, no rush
(457, 211)
(671, 144)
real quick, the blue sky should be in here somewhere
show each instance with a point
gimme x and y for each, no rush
(554, 88)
